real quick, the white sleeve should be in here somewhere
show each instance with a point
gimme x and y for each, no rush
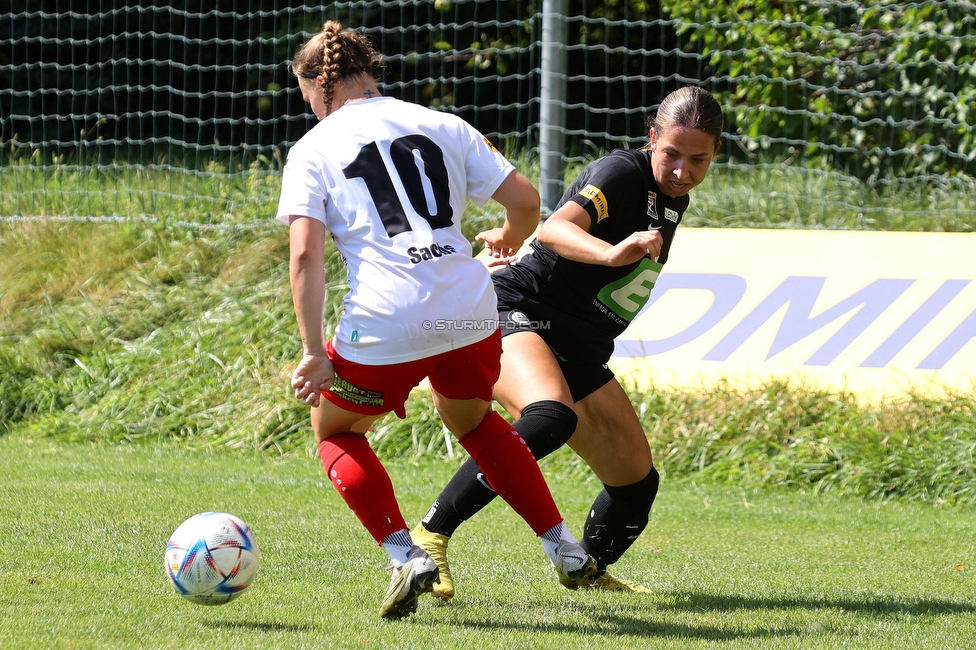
(303, 190)
(485, 167)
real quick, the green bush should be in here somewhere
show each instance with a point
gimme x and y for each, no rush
(891, 83)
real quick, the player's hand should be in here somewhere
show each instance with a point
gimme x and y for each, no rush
(499, 244)
(634, 247)
(313, 375)
(494, 264)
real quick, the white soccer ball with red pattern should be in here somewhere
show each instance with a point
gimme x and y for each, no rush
(212, 558)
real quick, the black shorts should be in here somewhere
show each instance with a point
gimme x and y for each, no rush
(584, 366)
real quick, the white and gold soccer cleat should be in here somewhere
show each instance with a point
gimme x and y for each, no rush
(414, 577)
(573, 564)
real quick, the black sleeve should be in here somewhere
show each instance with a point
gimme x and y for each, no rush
(607, 187)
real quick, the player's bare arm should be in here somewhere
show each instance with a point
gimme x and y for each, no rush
(566, 233)
(522, 203)
(307, 273)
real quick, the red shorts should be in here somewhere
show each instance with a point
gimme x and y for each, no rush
(466, 373)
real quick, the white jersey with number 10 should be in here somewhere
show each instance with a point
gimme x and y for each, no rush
(389, 180)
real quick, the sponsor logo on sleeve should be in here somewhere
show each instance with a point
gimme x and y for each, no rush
(488, 142)
(652, 206)
(595, 195)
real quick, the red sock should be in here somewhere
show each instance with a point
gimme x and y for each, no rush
(512, 471)
(359, 476)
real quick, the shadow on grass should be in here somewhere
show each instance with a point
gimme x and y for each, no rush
(648, 617)
(699, 601)
(639, 618)
(603, 623)
(617, 625)
(257, 625)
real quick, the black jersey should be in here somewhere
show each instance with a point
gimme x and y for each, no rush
(592, 303)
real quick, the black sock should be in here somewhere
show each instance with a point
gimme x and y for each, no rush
(545, 426)
(617, 518)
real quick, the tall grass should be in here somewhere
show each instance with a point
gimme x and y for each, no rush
(214, 195)
(787, 436)
(169, 327)
(778, 197)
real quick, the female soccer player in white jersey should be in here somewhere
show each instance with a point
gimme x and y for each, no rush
(388, 180)
(563, 303)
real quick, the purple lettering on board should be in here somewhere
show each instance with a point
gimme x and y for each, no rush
(727, 291)
(951, 345)
(914, 324)
(799, 294)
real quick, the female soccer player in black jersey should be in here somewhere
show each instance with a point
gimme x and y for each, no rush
(561, 305)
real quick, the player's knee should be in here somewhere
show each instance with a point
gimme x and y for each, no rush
(546, 426)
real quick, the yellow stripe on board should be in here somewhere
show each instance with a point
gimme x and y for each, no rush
(876, 313)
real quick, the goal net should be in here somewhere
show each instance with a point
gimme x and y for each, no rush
(120, 110)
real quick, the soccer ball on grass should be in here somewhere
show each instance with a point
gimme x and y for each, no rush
(212, 558)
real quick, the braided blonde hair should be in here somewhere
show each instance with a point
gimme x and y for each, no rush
(335, 54)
